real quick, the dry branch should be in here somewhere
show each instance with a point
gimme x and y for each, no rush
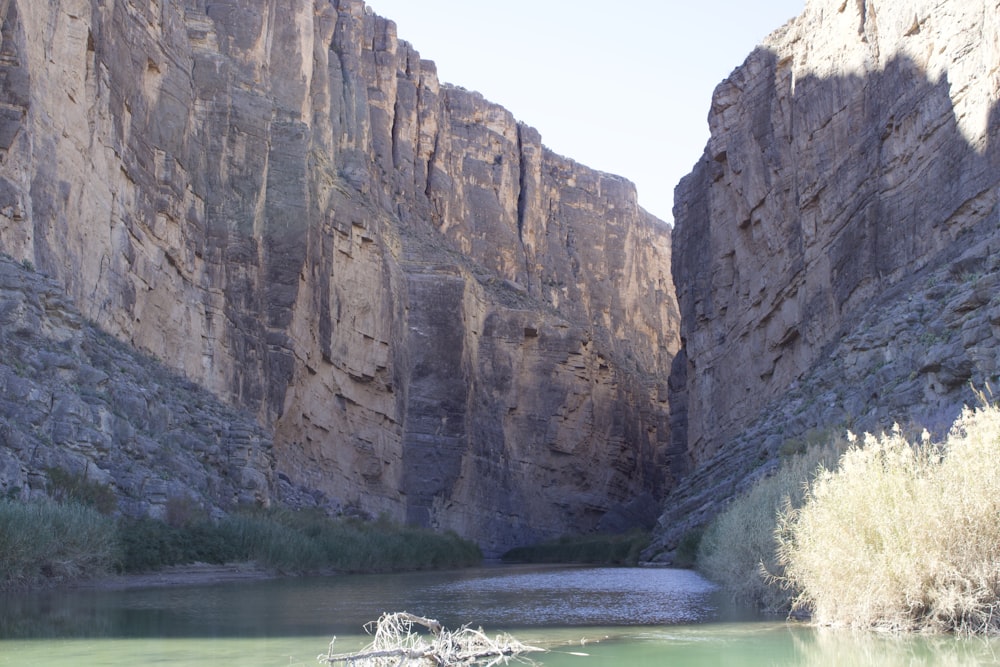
(395, 644)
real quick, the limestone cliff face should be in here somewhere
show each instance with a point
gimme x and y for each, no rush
(77, 404)
(439, 318)
(835, 245)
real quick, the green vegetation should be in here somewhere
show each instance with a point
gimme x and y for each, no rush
(686, 554)
(149, 544)
(621, 549)
(899, 535)
(293, 542)
(65, 486)
(306, 540)
(51, 542)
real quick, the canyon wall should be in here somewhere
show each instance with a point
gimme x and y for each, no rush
(81, 410)
(438, 318)
(835, 247)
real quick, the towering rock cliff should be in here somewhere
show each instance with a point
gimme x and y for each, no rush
(438, 318)
(836, 245)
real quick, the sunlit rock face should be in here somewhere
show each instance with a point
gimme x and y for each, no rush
(835, 246)
(440, 319)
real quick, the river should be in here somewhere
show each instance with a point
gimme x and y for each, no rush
(636, 617)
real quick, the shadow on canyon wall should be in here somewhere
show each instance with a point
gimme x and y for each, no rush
(835, 257)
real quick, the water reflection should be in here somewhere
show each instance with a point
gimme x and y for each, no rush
(635, 617)
(491, 597)
(770, 644)
(850, 648)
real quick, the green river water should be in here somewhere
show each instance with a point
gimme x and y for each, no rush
(616, 616)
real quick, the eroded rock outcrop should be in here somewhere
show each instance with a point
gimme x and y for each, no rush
(439, 318)
(835, 245)
(79, 406)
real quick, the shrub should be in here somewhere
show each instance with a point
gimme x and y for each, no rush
(183, 511)
(902, 536)
(146, 544)
(293, 542)
(46, 541)
(738, 549)
(686, 554)
(149, 544)
(60, 541)
(616, 549)
(272, 543)
(355, 546)
(65, 486)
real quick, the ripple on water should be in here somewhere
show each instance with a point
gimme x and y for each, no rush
(586, 596)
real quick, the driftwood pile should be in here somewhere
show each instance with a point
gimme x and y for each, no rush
(395, 644)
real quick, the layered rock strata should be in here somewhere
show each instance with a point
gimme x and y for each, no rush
(439, 318)
(834, 246)
(78, 408)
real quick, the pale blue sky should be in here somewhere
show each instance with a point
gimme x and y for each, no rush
(622, 87)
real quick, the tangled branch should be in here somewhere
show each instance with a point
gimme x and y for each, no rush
(395, 644)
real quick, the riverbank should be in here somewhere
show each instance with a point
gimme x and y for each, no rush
(57, 543)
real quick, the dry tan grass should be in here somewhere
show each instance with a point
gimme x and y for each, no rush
(903, 536)
(738, 549)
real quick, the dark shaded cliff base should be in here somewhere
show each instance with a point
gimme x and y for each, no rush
(621, 549)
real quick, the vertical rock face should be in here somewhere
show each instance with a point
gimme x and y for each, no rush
(439, 318)
(835, 245)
